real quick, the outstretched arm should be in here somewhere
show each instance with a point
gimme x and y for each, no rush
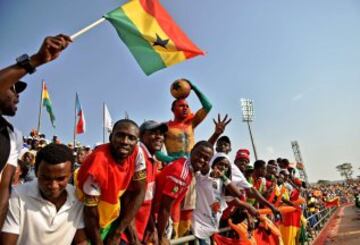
(49, 50)
(257, 195)
(235, 192)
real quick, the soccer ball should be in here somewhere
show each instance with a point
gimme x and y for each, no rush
(180, 89)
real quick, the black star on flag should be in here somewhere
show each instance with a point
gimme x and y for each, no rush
(160, 42)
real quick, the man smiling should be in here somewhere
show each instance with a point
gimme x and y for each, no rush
(152, 139)
(173, 182)
(110, 171)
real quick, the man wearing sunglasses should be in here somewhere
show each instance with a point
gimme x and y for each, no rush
(10, 143)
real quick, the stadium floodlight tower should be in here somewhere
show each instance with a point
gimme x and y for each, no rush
(248, 116)
(299, 161)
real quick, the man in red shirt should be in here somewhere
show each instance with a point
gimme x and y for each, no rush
(152, 135)
(173, 182)
(112, 183)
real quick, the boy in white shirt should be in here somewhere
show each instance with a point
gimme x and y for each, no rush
(210, 201)
(46, 211)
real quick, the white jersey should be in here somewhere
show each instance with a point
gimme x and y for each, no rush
(210, 204)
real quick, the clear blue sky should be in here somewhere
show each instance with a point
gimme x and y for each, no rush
(298, 60)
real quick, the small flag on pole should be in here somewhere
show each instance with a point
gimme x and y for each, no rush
(80, 119)
(152, 36)
(46, 102)
(107, 119)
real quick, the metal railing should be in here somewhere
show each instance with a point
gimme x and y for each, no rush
(320, 217)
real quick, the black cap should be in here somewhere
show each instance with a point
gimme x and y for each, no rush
(151, 125)
(20, 86)
(225, 139)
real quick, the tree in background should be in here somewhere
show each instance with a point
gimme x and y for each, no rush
(345, 170)
(324, 182)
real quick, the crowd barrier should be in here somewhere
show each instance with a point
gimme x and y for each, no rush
(320, 219)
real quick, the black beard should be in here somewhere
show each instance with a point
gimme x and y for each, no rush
(8, 112)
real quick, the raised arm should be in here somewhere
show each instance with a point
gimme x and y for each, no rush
(49, 50)
(206, 106)
(220, 126)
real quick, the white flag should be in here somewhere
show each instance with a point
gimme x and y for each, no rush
(107, 119)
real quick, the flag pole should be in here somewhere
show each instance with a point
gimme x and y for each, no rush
(40, 111)
(87, 28)
(104, 122)
(74, 138)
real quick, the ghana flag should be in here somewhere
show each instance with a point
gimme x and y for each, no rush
(290, 227)
(46, 102)
(152, 36)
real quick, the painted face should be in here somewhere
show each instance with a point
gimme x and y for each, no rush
(53, 178)
(123, 140)
(8, 102)
(223, 146)
(181, 109)
(241, 164)
(153, 139)
(200, 158)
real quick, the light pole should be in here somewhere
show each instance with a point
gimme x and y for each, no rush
(299, 161)
(248, 116)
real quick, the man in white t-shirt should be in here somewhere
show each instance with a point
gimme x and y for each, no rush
(46, 211)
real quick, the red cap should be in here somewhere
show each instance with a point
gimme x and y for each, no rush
(243, 154)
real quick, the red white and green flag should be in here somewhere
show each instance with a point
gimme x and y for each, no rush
(80, 118)
(152, 36)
